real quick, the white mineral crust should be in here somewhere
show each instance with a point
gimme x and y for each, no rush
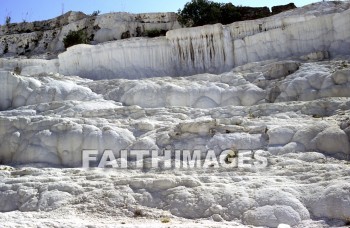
(279, 85)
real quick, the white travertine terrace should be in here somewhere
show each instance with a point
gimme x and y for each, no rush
(284, 92)
(212, 48)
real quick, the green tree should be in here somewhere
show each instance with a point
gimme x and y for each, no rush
(199, 12)
(229, 14)
(203, 12)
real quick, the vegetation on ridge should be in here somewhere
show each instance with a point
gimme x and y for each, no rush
(203, 12)
(75, 37)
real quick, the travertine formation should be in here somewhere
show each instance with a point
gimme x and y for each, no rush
(214, 48)
(278, 85)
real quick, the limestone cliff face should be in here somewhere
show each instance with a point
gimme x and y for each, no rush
(216, 48)
(37, 37)
(46, 37)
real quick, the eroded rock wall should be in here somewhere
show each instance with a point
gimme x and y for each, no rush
(213, 48)
(45, 38)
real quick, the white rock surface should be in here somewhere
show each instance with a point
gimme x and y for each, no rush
(303, 139)
(217, 48)
(112, 25)
(17, 91)
(293, 111)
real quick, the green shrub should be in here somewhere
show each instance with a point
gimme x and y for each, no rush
(155, 33)
(75, 37)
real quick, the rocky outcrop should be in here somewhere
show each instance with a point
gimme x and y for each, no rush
(41, 26)
(37, 38)
(45, 38)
